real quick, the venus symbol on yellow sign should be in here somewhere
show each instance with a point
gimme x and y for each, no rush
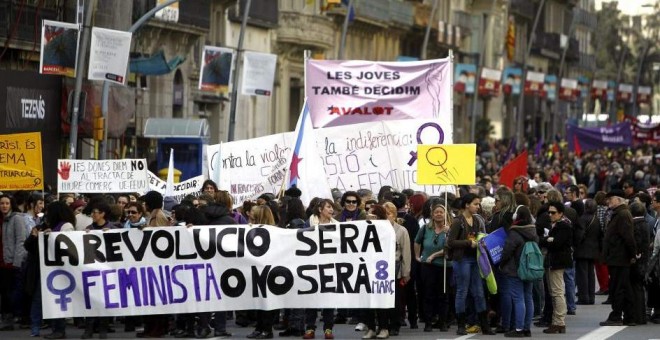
(446, 164)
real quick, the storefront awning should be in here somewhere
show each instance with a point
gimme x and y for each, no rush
(176, 128)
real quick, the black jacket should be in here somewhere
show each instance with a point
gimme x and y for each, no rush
(619, 243)
(588, 247)
(642, 242)
(500, 219)
(513, 247)
(218, 215)
(559, 250)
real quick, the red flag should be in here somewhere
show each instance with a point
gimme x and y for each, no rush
(576, 146)
(517, 167)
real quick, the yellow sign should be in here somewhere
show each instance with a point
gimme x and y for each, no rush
(446, 164)
(21, 166)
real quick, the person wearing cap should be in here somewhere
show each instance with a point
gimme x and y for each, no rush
(620, 252)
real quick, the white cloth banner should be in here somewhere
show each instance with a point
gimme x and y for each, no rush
(258, 73)
(342, 92)
(177, 270)
(105, 176)
(192, 186)
(108, 55)
(364, 156)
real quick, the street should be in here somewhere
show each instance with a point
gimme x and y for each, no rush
(582, 326)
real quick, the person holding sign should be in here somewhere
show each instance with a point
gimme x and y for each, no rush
(462, 243)
(13, 255)
(430, 244)
(323, 214)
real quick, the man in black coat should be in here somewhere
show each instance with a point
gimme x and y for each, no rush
(638, 269)
(619, 252)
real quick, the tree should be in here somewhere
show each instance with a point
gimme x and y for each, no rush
(608, 41)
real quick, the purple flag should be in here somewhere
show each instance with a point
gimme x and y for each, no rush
(615, 136)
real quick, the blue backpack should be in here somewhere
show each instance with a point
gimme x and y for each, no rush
(531, 262)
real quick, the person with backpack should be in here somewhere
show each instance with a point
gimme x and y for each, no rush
(522, 263)
(559, 244)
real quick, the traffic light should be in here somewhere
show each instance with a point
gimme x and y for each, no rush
(99, 125)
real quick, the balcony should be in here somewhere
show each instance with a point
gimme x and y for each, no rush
(586, 19)
(401, 13)
(28, 25)
(463, 20)
(306, 30)
(377, 10)
(523, 8)
(587, 62)
(549, 45)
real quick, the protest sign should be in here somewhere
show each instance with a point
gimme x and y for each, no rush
(446, 164)
(216, 69)
(347, 92)
(106, 176)
(613, 137)
(59, 48)
(258, 73)
(192, 186)
(217, 268)
(495, 244)
(21, 165)
(366, 156)
(108, 55)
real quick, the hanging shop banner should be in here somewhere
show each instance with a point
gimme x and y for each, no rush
(105, 176)
(534, 83)
(584, 85)
(21, 165)
(108, 55)
(489, 82)
(216, 69)
(624, 95)
(599, 89)
(30, 108)
(258, 73)
(613, 137)
(646, 133)
(569, 89)
(465, 78)
(192, 186)
(177, 270)
(59, 48)
(512, 81)
(342, 92)
(643, 94)
(611, 90)
(366, 156)
(446, 164)
(549, 88)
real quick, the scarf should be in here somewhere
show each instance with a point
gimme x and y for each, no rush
(348, 215)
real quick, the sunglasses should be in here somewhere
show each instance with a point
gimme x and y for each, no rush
(351, 201)
(435, 239)
(131, 212)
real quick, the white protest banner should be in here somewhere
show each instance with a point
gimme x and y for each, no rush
(108, 55)
(258, 73)
(192, 186)
(366, 156)
(217, 268)
(59, 48)
(342, 92)
(105, 176)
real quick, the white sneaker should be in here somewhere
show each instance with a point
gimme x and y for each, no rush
(360, 327)
(371, 334)
(383, 334)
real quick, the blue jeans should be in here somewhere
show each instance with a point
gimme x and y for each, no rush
(569, 282)
(466, 275)
(35, 312)
(523, 304)
(504, 293)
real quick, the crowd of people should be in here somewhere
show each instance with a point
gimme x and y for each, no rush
(593, 217)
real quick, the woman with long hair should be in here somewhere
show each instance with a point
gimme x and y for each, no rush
(430, 244)
(33, 208)
(462, 242)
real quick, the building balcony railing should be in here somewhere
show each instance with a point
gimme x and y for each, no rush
(587, 62)
(28, 23)
(463, 20)
(381, 12)
(402, 13)
(523, 8)
(548, 45)
(586, 18)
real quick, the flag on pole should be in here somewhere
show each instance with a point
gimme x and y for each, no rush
(306, 169)
(576, 146)
(223, 181)
(517, 167)
(169, 188)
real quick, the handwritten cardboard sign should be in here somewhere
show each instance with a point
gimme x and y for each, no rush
(21, 166)
(105, 176)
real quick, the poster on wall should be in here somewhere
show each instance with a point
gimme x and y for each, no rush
(258, 73)
(59, 48)
(108, 55)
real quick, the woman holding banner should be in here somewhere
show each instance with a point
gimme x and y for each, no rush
(430, 252)
(322, 214)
